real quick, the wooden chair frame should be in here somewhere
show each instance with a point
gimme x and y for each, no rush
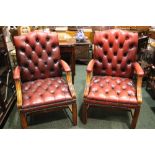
(89, 103)
(71, 105)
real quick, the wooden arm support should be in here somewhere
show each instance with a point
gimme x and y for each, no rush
(89, 76)
(65, 66)
(90, 65)
(88, 79)
(138, 69)
(67, 69)
(140, 75)
(139, 89)
(16, 76)
(16, 73)
(71, 87)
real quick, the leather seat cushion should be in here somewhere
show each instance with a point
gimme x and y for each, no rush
(112, 89)
(45, 91)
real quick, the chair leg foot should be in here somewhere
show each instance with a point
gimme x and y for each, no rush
(23, 120)
(74, 114)
(84, 113)
(135, 118)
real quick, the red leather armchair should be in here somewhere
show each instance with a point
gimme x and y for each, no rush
(39, 84)
(109, 81)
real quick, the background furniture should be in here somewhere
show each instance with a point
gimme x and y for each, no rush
(146, 57)
(150, 85)
(113, 66)
(142, 42)
(141, 30)
(82, 51)
(24, 30)
(143, 54)
(72, 51)
(67, 50)
(152, 33)
(38, 76)
(150, 82)
(87, 32)
(7, 87)
(10, 46)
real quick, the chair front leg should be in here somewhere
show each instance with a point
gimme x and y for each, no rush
(135, 117)
(23, 120)
(84, 113)
(74, 113)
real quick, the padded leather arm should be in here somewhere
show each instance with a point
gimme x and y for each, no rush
(16, 77)
(16, 74)
(90, 65)
(65, 66)
(138, 69)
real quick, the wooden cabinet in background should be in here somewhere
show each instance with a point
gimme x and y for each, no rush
(82, 52)
(7, 86)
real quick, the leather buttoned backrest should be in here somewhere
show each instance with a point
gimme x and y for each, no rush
(38, 55)
(115, 51)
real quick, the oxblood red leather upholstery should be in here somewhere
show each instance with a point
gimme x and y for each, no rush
(112, 89)
(41, 87)
(113, 66)
(38, 55)
(45, 91)
(115, 52)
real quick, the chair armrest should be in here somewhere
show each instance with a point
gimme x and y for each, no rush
(67, 69)
(16, 77)
(138, 69)
(72, 90)
(65, 66)
(88, 79)
(89, 76)
(16, 74)
(140, 74)
(69, 81)
(139, 89)
(90, 65)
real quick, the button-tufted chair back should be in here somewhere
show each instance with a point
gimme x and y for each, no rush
(114, 52)
(38, 55)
